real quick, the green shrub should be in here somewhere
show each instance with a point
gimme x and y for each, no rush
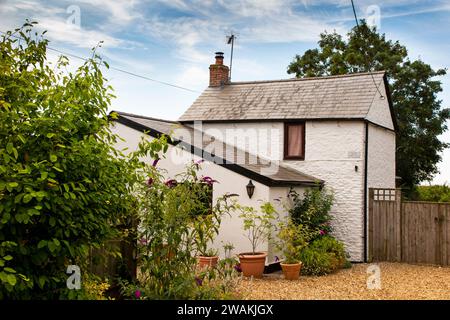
(435, 193)
(311, 210)
(324, 255)
(63, 186)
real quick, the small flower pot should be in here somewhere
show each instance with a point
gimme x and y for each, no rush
(291, 271)
(252, 265)
(207, 262)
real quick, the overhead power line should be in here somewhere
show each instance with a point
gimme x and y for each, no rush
(368, 63)
(114, 68)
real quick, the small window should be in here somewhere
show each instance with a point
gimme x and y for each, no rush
(294, 141)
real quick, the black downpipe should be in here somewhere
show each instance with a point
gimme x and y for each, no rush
(366, 157)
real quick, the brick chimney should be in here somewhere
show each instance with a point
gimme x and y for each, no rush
(218, 73)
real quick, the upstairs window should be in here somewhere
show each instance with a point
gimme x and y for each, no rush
(294, 141)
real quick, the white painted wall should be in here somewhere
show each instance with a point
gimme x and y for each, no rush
(229, 182)
(379, 111)
(332, 150)
(381, 161)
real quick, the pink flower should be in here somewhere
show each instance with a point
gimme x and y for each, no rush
(171, 183)
(143, 241)
(137, 294)
(199, 161)
(322, 232)
(208, 180)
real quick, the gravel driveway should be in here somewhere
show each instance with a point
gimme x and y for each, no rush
(398, 281)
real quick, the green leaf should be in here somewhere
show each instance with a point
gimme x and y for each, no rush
(51, 246)
(53, 158)
(10, 270)
(27, 198)
(11, 279)
(50, 135)
(8, 258)
(42, 244)
(41, 281)
(9, 147)
(57, 169)
(13, 184)
(52, 221)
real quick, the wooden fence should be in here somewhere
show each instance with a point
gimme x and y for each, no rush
(407, 231)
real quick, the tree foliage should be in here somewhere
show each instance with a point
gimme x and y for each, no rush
(63, 187)
(413, 85)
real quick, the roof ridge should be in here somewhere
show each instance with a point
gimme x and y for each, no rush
(348, 75)
(143, 117)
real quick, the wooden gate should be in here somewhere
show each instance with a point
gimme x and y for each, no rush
(407, 231)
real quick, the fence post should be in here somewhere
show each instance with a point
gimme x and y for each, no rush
(370, 258)
(398, 224)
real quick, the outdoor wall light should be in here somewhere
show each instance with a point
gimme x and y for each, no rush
(250, 189)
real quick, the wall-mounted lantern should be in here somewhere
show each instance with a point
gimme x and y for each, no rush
(250, 189)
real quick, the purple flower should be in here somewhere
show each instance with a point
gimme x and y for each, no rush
(238, 267)
(198, 281)
(155, 162)
(150, 181)
(143, 241)
(171, 183)
(322, 232)
(199, 161)
(208, 180)
(137, 294)
(277, 259)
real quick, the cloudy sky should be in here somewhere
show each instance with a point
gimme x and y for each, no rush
(174, 40)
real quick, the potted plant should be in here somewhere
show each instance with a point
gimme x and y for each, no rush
(206, 227)
(208, 258)
(258, 226)
(290, 242)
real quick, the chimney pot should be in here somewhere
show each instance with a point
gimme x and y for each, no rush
(219, 57)
(218, 72)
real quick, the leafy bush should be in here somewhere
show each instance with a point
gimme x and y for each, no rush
(291, 241)
(435, 193)
(323, 256)
(175, 223)
(63, 187)
(311, 210)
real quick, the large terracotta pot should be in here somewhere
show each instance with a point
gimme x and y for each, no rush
(252, 265)
(291, 271)
(204, 262)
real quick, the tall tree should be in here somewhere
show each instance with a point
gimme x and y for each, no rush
(413, 86)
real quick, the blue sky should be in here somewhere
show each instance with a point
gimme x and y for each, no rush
(175, 40)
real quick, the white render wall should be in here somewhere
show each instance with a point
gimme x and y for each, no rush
(381, 162)
(379, 112)
(332, 150)
(229, 182)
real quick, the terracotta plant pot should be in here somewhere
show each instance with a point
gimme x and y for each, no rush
(291, 271)
(252, 265)
(204, 262)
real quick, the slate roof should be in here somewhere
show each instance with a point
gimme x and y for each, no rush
(333, 97)
(218, 152)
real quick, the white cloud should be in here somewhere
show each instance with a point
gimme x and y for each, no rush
(120, 12)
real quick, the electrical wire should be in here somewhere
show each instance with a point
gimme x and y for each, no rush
(113, 68)
(368, 63)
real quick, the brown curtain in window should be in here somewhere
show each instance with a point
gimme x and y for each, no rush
(295, 143)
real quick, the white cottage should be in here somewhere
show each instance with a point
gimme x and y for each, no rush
(337, 131)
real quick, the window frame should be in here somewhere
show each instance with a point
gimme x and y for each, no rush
(286, 138)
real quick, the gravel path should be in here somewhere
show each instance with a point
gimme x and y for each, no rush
(398, 281)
